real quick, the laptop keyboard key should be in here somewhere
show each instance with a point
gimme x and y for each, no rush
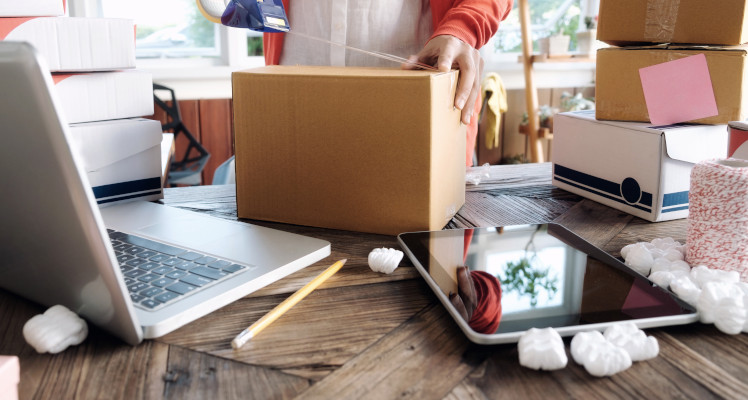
(219, 264)
(149, 266)
(136, 298)
(160, 258)
(134, 250)
(205, 260)
(150, 303)
(176, 274)
(149, 278)
(162, 270)
(185, 265)
(147, 254)
(171, 261)
(137, 287)
(208, 272)
(190, 256)
(161, 282)
(124, 258)
(150, 244)
(135, 273)
(166, 297)
(181, 288)
(122, 247)
(150, 292)
(233, 268)
(196, 280)
(136, 262)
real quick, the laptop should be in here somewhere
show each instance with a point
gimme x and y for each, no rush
(138, 270)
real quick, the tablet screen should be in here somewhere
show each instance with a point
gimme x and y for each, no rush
(540, 276)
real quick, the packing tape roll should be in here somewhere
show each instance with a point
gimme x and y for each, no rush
(718, 216)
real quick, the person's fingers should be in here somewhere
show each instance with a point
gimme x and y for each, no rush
(465, 82)
(475, 91)
(466, 289)
(412, 63)
(444, 52)
(457, 302)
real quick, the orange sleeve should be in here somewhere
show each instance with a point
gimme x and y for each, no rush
(272, 43)
(472, 21)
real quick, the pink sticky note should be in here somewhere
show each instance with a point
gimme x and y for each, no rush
(679, 90)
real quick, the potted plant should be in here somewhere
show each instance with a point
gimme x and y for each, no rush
(545, 117)
(587, 43)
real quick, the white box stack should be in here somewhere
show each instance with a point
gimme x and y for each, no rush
(100, 93)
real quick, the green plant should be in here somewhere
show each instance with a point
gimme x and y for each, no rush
(545, 113)
(526, 277)
(576, 102)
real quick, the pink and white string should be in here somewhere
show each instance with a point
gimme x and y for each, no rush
(718, 216)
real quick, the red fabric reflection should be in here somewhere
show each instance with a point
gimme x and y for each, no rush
(487, 314)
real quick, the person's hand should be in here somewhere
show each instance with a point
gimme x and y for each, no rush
(466, 300)
(445, 51)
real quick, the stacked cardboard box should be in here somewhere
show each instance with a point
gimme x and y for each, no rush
(618, 155)
(100, 94)
(651, 32)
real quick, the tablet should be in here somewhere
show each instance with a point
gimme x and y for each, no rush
(526, 276)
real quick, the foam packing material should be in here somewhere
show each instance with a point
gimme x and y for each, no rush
(718, 295)
(632, 339)
(542, 349)
(55, 330)
(384, 260)
(599, 356)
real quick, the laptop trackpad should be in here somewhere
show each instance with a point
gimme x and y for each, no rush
(192, 231)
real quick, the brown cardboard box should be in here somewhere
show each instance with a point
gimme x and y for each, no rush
(618, 91)
(363, 149)
(719, 22)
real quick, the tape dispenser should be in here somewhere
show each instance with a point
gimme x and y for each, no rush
(257, 15)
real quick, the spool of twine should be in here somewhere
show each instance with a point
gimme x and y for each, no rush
(718, 216)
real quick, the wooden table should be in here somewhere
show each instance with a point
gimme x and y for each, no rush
(369, 335)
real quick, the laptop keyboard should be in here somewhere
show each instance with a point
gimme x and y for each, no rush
(157, 274)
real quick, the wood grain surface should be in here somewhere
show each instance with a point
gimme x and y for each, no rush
(365, 335)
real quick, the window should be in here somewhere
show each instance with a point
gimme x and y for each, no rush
(547, 17)
(173, 32)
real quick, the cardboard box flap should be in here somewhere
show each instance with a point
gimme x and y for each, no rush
(680, 139)
(672, 46)
(103, 143)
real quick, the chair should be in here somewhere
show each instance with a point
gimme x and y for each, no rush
(225, 173)
(188, 169)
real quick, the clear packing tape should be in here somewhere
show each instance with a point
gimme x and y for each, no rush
(270, 16)
(659, 24)
(718, 216)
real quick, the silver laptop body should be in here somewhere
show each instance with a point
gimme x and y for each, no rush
(54, 239)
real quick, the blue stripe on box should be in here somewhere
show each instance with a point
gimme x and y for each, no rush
(675, 199)
(675, 209)
(588, 180)
(601, 187)
(125, 190)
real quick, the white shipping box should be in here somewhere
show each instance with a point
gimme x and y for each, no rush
(100, 96)
(122, 158)
(76, 44)
(32, 8)
(634, 167)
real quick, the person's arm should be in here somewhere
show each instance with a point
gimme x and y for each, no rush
(461, 27)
